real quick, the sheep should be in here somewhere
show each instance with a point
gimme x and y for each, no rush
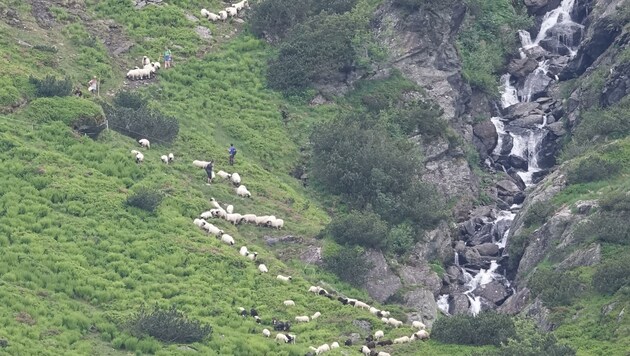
(385, 343)
(231, 11)
(277, 223)
(374, 310)
(365, 350)
(233, 218)
(385, 320)
(218, 213)
(359, 304)
(227, 239)
(378, 334)
(262, 268)
(223, 15)
(249, 218)
(322, 291)
(302, 319)
(420, 335)
(383, 353)
(266, 333)
(229, 209)
(209, 15)
(215, 204)
(262, 220)
(157, 65)
(284, 278)
(348, 342)
(171, 157)
(316, 315)
(206, 215)
(241, 5)
(164, 158)
(257, 319)
(418, 325)
(402, 340)
(199, 222)
(252, 256)
(236, 179)
(270, 220)
(144, 143)
(204, 13)
(242, 312)
(145, 60)
(321, 349)
(243, 251)
(139, 156)
(395, 323)
(314, 289)
(224, 174)
(200, 164)
(334, 345)
(385, 313)
(135, 73)
(281, 326)
(253, 312)
(282, 337)
(352, 301)
(211, 229)
(289, 303)
(243, 192)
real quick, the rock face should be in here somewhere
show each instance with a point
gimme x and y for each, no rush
(381, 282)
(486, 134)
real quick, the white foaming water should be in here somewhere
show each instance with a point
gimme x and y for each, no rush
(536, 78)
(456, 259)
(526, 38)
(527, 147)
(482, 278)
(544, 123)
(504, 215)
(442, 303)
(498, 124)
(558, 15)
(509, 94)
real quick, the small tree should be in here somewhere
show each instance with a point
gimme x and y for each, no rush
(131, 100)
(146, 199)
(349, 264)
(51, 86)
(359, 228)
(488, 328)
(167, 325)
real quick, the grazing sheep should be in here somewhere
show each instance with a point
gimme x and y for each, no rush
(383, 353)
(395, 323)
(204, 13)
(211, 229)
(359, 304)
(236, 179)
(277, 223)
(218, 213)
(378, 334)
(266, 333)
(144, 143)
(385, 313)
(199, 222)
(200, 164)
(282, 337)
(420, 335)
(241, 5)
(284, 278)
(243, 251)
(157, 65)
(280, 326)
(334, 345)
(206, 215)
(257, 319)
(249, 218)
(243, 192)
(223, 15)
(139, 156)
(385, 320)
(252, 256)
(322, 291)
(229, 209)
(145, 60)
(289, 303)
(402, 340)
(418, 325)
(348, 342)
(224, 174)
(343, 300)
(235, 219)
(374, 310)
(314, 289)
(365, 350)
(227, 239)
(321, 349)
(262, 220)
(302, 319)
(231, 11)
(316, 315)
(385, 343)
(171, 157)
(215, 204)
(242, 312)
(209, 15)
(164, 158)
(262, 268)
(352, 301)
(253, 312)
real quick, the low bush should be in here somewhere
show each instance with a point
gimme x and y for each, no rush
(348, 263)
(516, 249)
(359, 228)
(51, 86)
(145, 198)
(617, 200)
(70, 110)
(611, 122)
(142, 123)
(610, 276)
(400, 239)
(611, 227)
(592, 168)
(538, 213)
(488, 328)
(167, 325)
(555, 288)
(129, 99)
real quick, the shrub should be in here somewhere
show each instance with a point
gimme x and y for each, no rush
(487, 328)
(131, 100)
(590, 169)
(349, 264)
(555, 288)
(605, 227)
(538, 213)
(610, 122)
(69, 110)
(359, 228)
(610, 276)
(516, 249)
(45, 48)
(51, 86)
(146, 199)
(617, 200)
(420, 116)
(400, 239)
(142, 123)
(167, 325)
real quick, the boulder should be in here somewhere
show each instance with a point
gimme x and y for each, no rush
(363, 325)
(472, 257)
(423, 301)
(531, 121)
(381, 283)
(515, 303)
(588, 256)
(459, 304)
(540, 7)
(547, 150)
(556, 64)
(584, 207)
(518, 162)
(538, 176)
(482, 236)
(507, 187)
(494, 292)
(535, 85)
(486, 132)
(487, 249)
(521, 67)
(557, 128)
(617, 85)
(421, 276)
(519, 110)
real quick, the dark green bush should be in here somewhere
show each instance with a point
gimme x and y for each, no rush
(359, 228)
(129, 99)
(413, 5)
(556, 288)
(610, 276)
(51, 86)
(146, 199)
(610, 122)
(538, 213)
(592, 168)
(420, 116)
(45, 48)
(400, 239)
(618, 200)
(167, 325)
(606, 227)
(516, 249)
(142, 123)
(349, 264)
(487, 328)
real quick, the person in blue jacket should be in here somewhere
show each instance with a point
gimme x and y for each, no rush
(232, 152)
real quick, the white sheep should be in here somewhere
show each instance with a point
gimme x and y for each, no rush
(164, 158)
(302, 319)
(233, 218)
(243, 251)
(139, 156)
(145, 60)
(252, 256)
(289, 303)
(227, 239)
(316, 315)
(199, 222)
(395, 323)
(262, 220)
(379, 334)
(200, 164)
(402, 340)
(241, 5)
(266, 333)
(224, 175)
(321, 349)
(284, 278)
(418, 325)
(243, 192)
(383, 353)
(206, 215)
(249, 218)
(334, 345)
(282, 337)
(215, 203)
(277, 223)
(171, 157)
(134, 73)
(231, 11)
(144, 143)
(229, 209)
(385, 313)
(314, 289)
(223, 15)
(218, 213)
(262, 268)
(204, 13)
(209, 15)
(211, 229)
(365, 350)
(236, 179)
(156, 65)
(420, 335)
(360, 304)
(385, 320)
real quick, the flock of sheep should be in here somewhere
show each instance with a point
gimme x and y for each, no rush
(147, 71)
(231, 11)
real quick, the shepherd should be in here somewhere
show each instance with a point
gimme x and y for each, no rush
(232, 152)
(208, 169)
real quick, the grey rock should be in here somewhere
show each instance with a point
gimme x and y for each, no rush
(494, 292)
(435, 245)
(588, 256)
(507, 187)
(584, 207)
(422, 301)
(312, 255)
(557, 128)
(453, 273)
(520, 110)
(487, 249)
(617, 85)
(540, 314)
(515, 303)
(473, 257)
(459, 304)
(270, 241)
(186, 348)
(318, 100)
(519, 163)
(486, 132)
(191, 17)
(203, 32)
(421, 276)
(363, 324)
(381, 282)
(530, 121)
(521, 67)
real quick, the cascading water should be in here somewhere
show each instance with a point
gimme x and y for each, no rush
(516, 153)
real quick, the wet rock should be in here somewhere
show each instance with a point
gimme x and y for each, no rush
(423, 301)
(515, 303)
(472, 257)
(507, 187)
(535, 85)
(488, 249)
(521, 67)
(556, 64)
(459, 304)
(517, 179)
(583, 257)
(453, 273)
(518, 162)
(538, 176)
(460, 247)
(540, 7)
(557, 128)
(530, 121)
(536, 53)
(494, 292)
(381, 282)
(547, 149)
(519, 197)
(486, 132)
(519, 110)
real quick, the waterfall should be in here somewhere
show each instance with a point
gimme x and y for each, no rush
(537, 78)
(498, 124)
(442, 303)
(526, 147)
(482, 278)
(509, 95)
(558, 15)
(456, 259)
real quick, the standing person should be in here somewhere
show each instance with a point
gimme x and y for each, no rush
(93, 85)
(232, 152)
(208, 169)
(168, 58)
